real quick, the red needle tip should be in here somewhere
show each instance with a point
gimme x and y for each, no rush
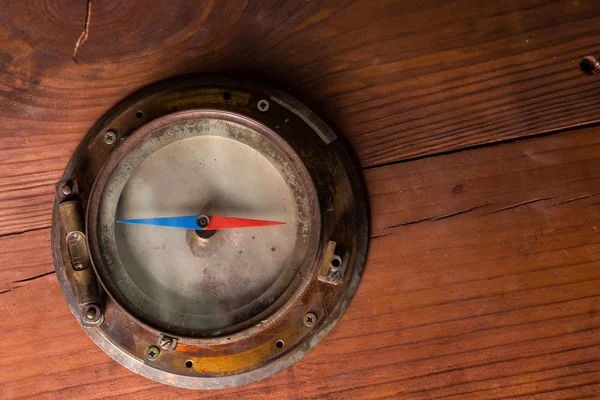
(217, 222)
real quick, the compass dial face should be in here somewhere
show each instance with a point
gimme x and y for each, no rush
(234, 268)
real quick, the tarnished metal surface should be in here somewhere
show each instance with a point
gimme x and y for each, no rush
(305, 114)
(78, 250)
(287, 335)
(333, 264)
(82, 276)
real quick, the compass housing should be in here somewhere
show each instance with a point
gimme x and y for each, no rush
(157, 314)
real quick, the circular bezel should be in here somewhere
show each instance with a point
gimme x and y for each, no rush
(153, 130)
(282, 339)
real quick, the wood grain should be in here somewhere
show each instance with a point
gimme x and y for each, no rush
(482, 281)
(553, 171)
(24, 257)
(399, 78)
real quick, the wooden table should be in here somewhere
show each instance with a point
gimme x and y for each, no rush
(478, 140)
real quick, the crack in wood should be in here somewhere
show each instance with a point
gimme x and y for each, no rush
(459, 212)
(22, 282)
(587, 196)
(438, 218)
(442, 217)
(524, 203)
(5, 235)
(84, 34)
(34, 277)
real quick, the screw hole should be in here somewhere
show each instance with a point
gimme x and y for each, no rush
(279, 344)
(589, 65)
(336, 262)
(139, 114)
(189, 364)
(227, 95)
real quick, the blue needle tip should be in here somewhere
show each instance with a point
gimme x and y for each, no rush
(188, 222)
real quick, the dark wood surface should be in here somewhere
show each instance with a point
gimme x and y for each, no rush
(400, 79)
(483, 274)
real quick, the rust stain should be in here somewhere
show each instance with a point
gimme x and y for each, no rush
(238, 98)
(220, 364)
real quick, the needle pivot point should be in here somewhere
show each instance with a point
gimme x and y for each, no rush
(203, 221)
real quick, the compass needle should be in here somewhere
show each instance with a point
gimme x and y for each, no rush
(191, 222)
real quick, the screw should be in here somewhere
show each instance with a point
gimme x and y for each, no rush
(92, 313)
(66, 189)
(110, 137)
(263, 105)
(203, 221)
(165, 342)
(589, 65)
(152, 353)
(310, 319)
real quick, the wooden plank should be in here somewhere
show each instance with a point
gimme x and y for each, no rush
(400, 79)
(24, 257)
(552, 171)
(492, 294)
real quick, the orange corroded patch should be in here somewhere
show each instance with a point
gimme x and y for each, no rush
(220, 364)
(207, 95)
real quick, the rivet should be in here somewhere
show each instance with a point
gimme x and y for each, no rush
(92, 313)
(66, 189)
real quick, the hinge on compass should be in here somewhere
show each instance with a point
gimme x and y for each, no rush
(81, 272)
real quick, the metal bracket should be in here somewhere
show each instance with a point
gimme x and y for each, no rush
(333, 266)
(79, 273)
(92, 316)
(167, 342)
